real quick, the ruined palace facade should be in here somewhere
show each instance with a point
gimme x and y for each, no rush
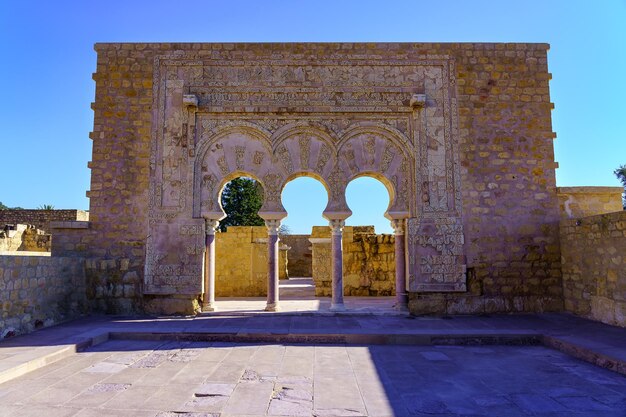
(460, 134)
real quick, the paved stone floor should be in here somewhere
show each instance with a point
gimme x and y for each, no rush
(369, 371)
(144, 378)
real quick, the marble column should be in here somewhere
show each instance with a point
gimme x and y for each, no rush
(336, 227)
(208, 301)
(272, 265)
(402, 298)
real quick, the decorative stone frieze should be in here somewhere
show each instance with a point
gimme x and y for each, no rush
(460, 135)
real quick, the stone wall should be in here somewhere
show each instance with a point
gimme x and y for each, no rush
(368, 261)
(41, 218)
(300, 257)
(241, 262)
(578, 202)
(114, 286)
(506, 219)
(39, 291)
(594, 267)
(508, 186)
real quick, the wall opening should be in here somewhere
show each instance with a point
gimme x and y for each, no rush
(368, 242)
(304, 199)
(241, 199)
(241, 243)
(368, 199)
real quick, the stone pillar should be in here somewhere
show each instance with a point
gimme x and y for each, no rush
(336, 227)
(402, 298)
(208, 301)
(272, 265)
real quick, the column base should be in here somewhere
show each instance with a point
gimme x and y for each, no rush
(402, 304)
(272, 307)
(404, 308)
(209, 307)
(337, 307)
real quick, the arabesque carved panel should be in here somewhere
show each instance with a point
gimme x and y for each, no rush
(274, 119)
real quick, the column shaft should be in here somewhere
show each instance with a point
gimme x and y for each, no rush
(208, 301)
(401, 294)
(337, 265)
(272, 265)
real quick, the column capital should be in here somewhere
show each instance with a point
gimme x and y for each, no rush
(398, 226)
(210, 226)
(336, 226)
(273, 226)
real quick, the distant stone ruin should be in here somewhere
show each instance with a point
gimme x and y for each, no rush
(23, 238)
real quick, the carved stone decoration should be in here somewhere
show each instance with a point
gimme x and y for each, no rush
(350, 158)
(322, 160)
(174, 158)
(285, 159)
(375, 150)
(370, 147)
(403, 187)
(305, 151)
(436, 257)
(388, 156)
(240, 153)
(336, 182)
(208, 183)
(257, 159)
(338, 119)
(221, 162)
(273, 227)
(272, 187)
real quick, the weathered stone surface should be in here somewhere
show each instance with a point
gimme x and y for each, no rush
(460, 133)
(299, 255)
(37, 291)
(16, 238)
(578, 202)
(594, 267)
(41, 218)
(368, 262)
(241, 262)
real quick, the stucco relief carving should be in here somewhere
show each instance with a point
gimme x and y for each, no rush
(403, 132)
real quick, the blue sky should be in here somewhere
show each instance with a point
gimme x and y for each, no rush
(48, 58)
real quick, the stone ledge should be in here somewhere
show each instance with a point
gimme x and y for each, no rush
(589, 190)
(70, 225)
(595, 219)
(31, 360)
(586, 348)
(319, 240)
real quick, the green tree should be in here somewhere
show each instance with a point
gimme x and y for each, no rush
(620, 173)
(3, 207)
(45, 207)
(241, 200)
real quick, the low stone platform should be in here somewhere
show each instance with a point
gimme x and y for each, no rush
(296, 304)
(591, 341)
(316, 365)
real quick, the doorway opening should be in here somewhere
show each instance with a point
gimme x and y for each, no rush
(368, 241)
(304, 198)
(241, 243)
